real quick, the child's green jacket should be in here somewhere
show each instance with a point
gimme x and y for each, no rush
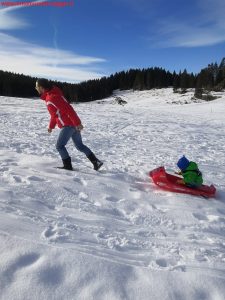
(192, 175)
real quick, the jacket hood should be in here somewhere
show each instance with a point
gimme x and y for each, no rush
(192, 166)
(54, 91)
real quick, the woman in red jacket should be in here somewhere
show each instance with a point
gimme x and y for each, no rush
(64, 116)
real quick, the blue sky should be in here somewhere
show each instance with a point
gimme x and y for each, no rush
(94, 38)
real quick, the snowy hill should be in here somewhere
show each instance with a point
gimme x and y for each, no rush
(112, 234)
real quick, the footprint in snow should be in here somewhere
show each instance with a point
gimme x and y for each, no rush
(35, 178)
(81, 181)
(221, 211)
(70, 191)
(162, 262)
(51, 276)
(15, 179)
(135, 194)
(111, 199)
(169, 264)
(209, 218)
(49, 232)
(200, 217)
(46, 204)
(23, 261)
(54, 234)
(10, 162)
(83, 196)
(213, 218)
(4, 169)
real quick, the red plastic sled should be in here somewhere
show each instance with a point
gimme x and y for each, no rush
(169, 182)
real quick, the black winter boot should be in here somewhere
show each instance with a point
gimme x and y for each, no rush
(95, 161)
(67, 164)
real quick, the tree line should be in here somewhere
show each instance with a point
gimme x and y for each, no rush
(211, 78)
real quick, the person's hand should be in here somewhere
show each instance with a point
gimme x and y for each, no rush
(178, 173)
(79, 127)
(49, 130)
(180, 181)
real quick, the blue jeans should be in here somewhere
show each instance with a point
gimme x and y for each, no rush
(66, 133)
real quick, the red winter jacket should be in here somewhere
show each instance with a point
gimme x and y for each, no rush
(62, 113)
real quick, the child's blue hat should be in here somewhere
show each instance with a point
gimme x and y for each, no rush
(183, 163)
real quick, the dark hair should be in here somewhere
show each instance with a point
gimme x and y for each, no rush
(44, 83)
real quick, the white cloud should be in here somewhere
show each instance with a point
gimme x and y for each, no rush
(9, 22)
(20, 56)
(205, 28)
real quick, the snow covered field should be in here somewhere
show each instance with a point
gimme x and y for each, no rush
(112, 235)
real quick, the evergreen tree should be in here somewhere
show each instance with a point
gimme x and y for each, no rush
(222, 64)
(18, 85)
(149, 79)
(219, 77)
(184, 80)
(139, 81)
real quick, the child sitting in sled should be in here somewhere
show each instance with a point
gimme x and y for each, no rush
(192, 177)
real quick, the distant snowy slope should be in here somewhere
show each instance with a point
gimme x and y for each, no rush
(112, 234)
